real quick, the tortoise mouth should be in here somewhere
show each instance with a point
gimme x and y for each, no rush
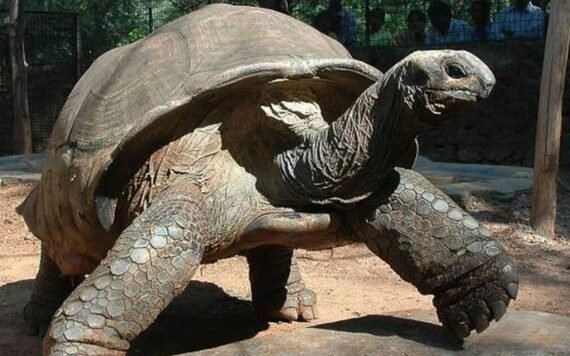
(447, 96)
(438, 106)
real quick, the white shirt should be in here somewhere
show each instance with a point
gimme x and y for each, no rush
(526, 23)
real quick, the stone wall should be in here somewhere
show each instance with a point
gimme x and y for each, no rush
(502, 128)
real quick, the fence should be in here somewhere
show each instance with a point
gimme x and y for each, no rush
(52, 52)
(422, 22)
(56, 59)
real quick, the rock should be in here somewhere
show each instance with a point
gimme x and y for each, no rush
(24, 168)
(460, 181)
(519, 333)
(457, 180)
(469, 155)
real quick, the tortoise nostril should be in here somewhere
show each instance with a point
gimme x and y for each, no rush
(486, 88)
(455, 71)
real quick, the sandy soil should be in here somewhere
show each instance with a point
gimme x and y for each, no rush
(350, 282)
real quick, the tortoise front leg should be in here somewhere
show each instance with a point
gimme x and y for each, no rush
(50, 290)
(429, 241)
(278, 291)
(152, 261)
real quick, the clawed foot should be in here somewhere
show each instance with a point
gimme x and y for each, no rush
(461, 309)
(37, 317)
(299, 306)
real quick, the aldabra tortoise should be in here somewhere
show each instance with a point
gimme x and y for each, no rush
(238, 130)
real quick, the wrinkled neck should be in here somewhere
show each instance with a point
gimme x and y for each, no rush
(346, 162)
(371, 134)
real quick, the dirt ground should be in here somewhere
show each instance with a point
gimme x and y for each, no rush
(350, 282)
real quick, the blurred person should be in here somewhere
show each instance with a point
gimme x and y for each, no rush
(343, 24)
(445, 29)
(375, 22)
(481, 18)
(415, 33)
(543, 4)
(277, 5)
(324, 23)
(520, 20)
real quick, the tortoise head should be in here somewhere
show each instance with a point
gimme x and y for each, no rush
(347, 160)
(439, 83)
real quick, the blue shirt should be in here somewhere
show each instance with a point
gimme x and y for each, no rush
(526, 23)
(476, 36)
(347, 33)
(459, 31)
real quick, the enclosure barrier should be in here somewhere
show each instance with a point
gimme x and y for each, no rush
(61, 45)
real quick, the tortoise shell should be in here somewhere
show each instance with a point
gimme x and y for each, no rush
(129, 101)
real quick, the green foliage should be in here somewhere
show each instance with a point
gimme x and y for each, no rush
(106, 24)
(396, 11)
(307, 11)
(110, 23)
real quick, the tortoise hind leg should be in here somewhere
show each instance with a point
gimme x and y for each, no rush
(49, 291)
(151, 262)
(433, 244)
(278, 291)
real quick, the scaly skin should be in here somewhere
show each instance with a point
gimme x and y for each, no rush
(424, 236)
(433, 244)
(152, 262)
(278, 291)
(420, 232)
(347, 162)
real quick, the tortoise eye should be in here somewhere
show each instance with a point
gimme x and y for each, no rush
(455, 71)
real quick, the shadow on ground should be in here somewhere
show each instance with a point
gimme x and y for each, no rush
(13, 339)
(204, 316)
(420, 332)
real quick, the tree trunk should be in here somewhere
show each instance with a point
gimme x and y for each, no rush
(22, 129)
(77, 49)
(547, 148)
